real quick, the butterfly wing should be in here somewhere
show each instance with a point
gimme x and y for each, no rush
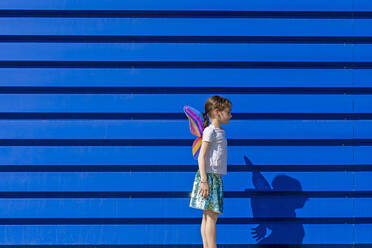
(196, 147)
(196, 127)
(195, 120)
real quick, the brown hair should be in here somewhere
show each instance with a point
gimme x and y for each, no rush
(212, 103)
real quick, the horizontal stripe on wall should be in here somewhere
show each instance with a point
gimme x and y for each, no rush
(185, 14)
(175, 182)
(187, 26)
(183, 64)
(184, 194)
(173, 207)
(185, 90)
(297, 78)
(185, 39)
(181, 116)
(155, 234)
(174, 103)
(343, 5)
(183, 142)
(179, 168)
(196, 246)
(170, 129)
(177, 221)
(182, 155)
(184, 52)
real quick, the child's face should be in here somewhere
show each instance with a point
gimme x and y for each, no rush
(225, 115)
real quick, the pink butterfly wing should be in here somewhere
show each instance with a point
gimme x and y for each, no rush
(196, 127)
(196, 124)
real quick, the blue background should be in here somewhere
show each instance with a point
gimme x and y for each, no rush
(95, 148)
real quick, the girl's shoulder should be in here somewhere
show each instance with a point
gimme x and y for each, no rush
(209, 129)
(209, 133)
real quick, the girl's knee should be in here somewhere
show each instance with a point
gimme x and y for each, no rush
(211, 214)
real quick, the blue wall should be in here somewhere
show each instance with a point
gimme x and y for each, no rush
(95, 148)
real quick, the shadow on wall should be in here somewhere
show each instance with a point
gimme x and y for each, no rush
(276, 207)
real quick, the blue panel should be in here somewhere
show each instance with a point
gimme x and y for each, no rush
(362, 27)
(363, 155)
(362, 207)
(166, 181)
(173, 103)
(177, 26)
(185, 77)
(168, 208)
(363, 233)
(328, 234)
(363, 181)
(363, 103)
(173, 155)
(362, 5)
(362, 52)
(179, 129)
(362, 129)
(183, 52)
(362, 78)
(179, 5)
(158, 234)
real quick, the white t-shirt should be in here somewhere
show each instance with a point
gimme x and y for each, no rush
(216, 158)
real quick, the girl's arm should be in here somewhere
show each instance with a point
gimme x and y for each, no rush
(201, 159)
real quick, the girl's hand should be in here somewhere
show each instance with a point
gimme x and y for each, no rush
(204, 190)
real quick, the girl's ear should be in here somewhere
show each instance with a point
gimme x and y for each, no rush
(215, 112)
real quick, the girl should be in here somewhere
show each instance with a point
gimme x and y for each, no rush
(207, 192)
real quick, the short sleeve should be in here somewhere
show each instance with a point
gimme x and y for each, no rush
(209, 134)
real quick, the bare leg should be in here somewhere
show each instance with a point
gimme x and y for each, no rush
(203, 230)
(211, 228)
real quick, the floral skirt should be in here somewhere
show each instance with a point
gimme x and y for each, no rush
(214, 201)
